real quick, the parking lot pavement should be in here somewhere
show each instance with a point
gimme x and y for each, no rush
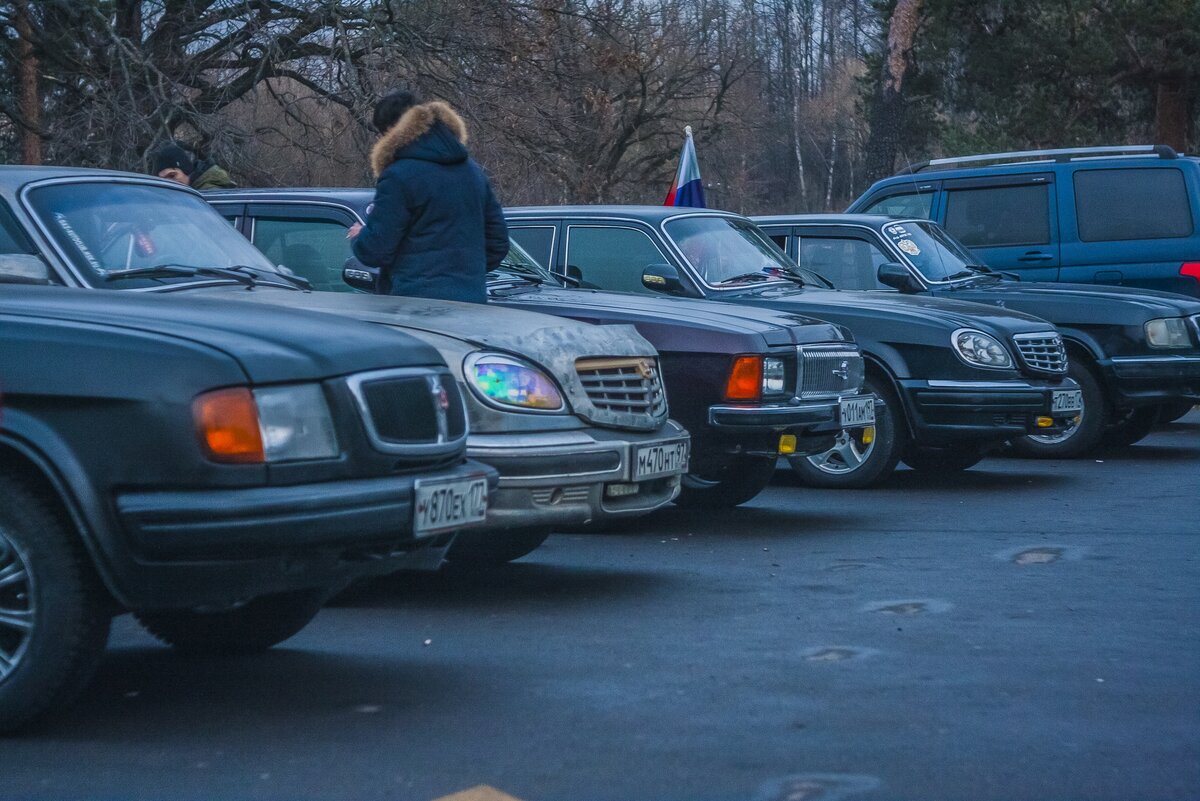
(1022, 630)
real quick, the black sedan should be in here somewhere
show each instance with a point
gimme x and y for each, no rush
(1135, 353)
(955, 378)
(748, 384)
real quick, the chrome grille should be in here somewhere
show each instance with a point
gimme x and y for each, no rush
(410, 410)
(826, 371)
(554, 495)
(1043, 352)
(628, 385)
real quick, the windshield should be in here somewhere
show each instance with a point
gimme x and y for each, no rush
(518, 262)
(726, 250)
(926, 246)
(107, 227)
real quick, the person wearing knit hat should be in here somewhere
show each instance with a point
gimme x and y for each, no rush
(174, 162)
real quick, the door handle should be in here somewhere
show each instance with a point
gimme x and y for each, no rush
(1035, 255)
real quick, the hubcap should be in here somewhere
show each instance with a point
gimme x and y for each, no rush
(847, 454)
(16, 606)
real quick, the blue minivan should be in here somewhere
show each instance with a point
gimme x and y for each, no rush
(1128, 216)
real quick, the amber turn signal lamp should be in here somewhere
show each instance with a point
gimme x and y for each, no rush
(787, 444)
(745, 379)
(227, 424)
(1045, 422)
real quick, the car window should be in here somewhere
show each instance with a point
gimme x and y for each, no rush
(611, 258)
(998, 216)
(910, 204)
(780, 240)
(314, 249)
(12, 238)
(1112, 205)
(845, 262)
(537, 241)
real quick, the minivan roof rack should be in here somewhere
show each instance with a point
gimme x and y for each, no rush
(1060, 154)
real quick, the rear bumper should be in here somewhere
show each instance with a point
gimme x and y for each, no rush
(193, 547)
(1150, 380)
(572, 477)
(944, 412)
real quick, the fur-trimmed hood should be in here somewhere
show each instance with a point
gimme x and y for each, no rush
(430, 131)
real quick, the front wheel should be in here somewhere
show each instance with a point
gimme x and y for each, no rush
(1131, 426)
(734, 484)
(952, 459)
(1083, 434)
(860, 457)
(53, 623)
(249, 628)
(1170, 412)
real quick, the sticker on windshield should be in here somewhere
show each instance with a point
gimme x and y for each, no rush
(909, 247)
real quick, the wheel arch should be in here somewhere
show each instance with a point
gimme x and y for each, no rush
(31, 452)
(879, 370)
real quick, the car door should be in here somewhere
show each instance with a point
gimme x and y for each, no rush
(908, 200)
(1131, 226)
(613, 256)
(849, 258)
(1009, 221)
(309, 239)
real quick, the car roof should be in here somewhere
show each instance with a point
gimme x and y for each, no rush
(647, 213)
(14, 175)
(827, 219)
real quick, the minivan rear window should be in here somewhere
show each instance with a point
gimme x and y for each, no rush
(999, 216)
(1112, 205)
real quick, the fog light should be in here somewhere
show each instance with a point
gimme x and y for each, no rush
(868, 435)
(621, 490)
(1045, 422)
(787, 444)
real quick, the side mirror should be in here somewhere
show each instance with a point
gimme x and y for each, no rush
(21, 268)
(359, 276)
(662, 278)
(897, 276)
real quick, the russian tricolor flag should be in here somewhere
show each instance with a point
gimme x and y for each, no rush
(686, 189)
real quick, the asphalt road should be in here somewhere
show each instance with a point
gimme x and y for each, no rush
(1024, 630)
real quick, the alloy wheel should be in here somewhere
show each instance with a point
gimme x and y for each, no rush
(847, 454)
(1061, 436)
(17, 609)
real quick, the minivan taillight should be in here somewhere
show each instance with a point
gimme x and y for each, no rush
(1191, 269)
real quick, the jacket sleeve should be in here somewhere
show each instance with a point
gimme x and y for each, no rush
(495, 230)
(387, 224)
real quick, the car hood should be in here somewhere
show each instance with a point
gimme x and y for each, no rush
(552, 343)
(1081, 304)
(844, 307)
(683, 324)
(276, 345)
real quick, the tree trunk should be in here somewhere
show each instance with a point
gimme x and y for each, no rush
(29, 102)
(1171, 115)
(887, 111)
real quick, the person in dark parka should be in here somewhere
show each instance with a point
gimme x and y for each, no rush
(435, 228)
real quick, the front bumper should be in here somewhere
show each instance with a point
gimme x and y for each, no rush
(568, 478)
(184, 548)
(946, 412)
(1151, 380)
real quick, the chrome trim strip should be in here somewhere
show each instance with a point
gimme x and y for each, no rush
(433, 379)
(938, 384)
(1156, 359)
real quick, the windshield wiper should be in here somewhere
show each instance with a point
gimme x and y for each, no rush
(298, 281)
(745, 277)
(507, 277)
(180, 271)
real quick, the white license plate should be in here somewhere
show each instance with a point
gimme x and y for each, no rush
(858, 412)
(1067, 400)
(651, 461)
(449, 504)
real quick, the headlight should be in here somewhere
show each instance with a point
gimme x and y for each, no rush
(980, 349)
(774, 374)
(272, 424)
(1167, 332)
(505, 381)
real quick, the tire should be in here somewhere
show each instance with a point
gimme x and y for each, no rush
(250, 628)
(850, 464)
(1130, 427)
(1080, 439)
(730, 486)
(53, 610)
(943, 460)
(1170, 412)
(495, 547)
